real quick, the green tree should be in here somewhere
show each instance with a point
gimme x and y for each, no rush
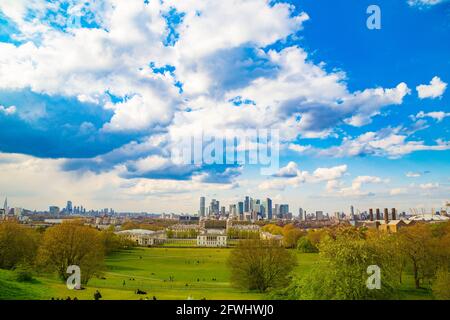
(343, 273)
(72, 243)
(416, 243)
(441, 285)
(18, 244)
(305, 245)
(260, 265)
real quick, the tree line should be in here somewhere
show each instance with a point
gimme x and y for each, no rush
(57, 247)
(422, 250)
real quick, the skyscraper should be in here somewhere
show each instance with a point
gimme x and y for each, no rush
(300, 214)
(247, 204)
(202, 211)
(240, 208)
(69, 207)
(268, 206)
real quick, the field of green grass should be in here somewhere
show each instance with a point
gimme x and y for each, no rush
(166, 273)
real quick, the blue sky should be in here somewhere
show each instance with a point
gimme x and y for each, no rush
(95, 96)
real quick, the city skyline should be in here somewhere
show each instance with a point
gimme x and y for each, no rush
(95, 96)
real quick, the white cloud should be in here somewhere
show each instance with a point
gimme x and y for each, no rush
(429, 186)
(398, 191)
(292, 176)
(7, 110)
(413, 174)
(435, 89)
(298, 148)
(387, 142)
(437, 115)
(425, 3)
(356, 188)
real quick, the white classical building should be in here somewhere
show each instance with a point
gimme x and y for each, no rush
(212, 238)
(144, 237)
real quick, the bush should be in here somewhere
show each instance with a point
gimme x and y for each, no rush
(23, 274)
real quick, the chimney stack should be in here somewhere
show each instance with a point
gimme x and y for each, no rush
(386, 215)
(378, 214)
(394, 214)
(371, 214)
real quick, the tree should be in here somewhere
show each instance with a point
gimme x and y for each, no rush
(18, 244)
(273, 229)
(343, 273)
(305, 245)
(72, 243)
(441, 285)
(418, 246)
(260, 265)
(291, 234)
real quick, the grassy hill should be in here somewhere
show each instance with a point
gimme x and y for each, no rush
(166, 273)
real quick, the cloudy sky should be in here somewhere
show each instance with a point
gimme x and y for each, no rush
(93, 96)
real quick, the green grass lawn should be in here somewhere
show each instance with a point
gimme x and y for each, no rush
(196, 272)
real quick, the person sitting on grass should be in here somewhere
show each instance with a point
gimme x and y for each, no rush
(97, 295)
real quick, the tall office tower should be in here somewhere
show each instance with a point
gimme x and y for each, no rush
(378, 214)
(202, 211)
(352, 212)
(268, 206)
(251, 205)
(277, 210)
(222, 211)
(300, 214)
(284, 210)
(69, 207)
(319, 215)
(240, 207)
(247, 204)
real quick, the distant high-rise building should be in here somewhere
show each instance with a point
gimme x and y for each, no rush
(247, 204)
(69, 207)
(240, 208)
(268, 207)
(284, 210)
(352, 212)
(300, 214)
(202, 211)
(222, 211)
(319, 215)
(54, 210)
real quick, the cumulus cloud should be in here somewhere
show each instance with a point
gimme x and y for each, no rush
(292, 176)
(435, 89)
(356, 187)
(436, 115)
(390, 142)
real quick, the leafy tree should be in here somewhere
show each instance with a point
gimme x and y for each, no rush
(18, 244)
(273, 229)
(72, 243)
(305, 245)
(343, 274)
(260, 265)
(419, 247)
(441, 285)
(291, 234)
